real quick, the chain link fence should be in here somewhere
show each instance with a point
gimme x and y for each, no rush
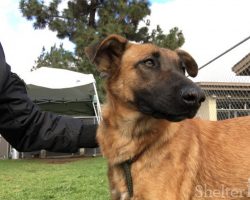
(231, 99)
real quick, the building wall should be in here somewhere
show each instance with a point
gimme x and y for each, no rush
(208, 109)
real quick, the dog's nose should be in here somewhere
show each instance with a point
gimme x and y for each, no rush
(192, 96)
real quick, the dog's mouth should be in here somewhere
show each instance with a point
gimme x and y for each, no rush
(170, 116)
(174, 117)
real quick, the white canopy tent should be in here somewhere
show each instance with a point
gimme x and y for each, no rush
(59, 86)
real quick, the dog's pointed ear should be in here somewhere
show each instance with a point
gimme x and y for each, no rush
(189, 63)
(106, 55)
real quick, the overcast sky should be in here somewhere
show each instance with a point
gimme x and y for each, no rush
(209, 26)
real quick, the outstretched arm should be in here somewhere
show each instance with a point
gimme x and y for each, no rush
(27, 128)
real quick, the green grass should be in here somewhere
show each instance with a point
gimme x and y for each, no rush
(37, 180)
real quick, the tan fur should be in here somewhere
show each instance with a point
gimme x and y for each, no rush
(191, 159)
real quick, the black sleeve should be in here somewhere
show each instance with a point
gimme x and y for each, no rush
(4, 70)
(27, 128)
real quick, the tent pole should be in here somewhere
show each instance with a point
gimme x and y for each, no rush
(98, 104)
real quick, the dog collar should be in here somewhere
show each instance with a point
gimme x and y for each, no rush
(126, 166)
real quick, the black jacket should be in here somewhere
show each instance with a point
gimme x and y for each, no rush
(27, 128)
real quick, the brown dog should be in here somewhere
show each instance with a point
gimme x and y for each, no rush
(154, 151)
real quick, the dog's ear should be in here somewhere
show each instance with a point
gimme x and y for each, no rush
(106, 55)
(189, 63)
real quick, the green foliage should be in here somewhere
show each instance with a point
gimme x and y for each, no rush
(56, 57)
(173, 40)
(86, 21)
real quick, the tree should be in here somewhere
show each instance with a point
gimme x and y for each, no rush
(57, 57)
(86, 21)
(173, 40)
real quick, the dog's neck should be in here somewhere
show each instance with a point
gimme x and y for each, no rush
(127, 131)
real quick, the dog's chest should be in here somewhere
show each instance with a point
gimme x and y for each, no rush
(160, 173)
(151, 180)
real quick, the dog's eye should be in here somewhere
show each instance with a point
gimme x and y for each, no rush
(149, 62)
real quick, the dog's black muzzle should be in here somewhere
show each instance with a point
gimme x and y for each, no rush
(174, 99)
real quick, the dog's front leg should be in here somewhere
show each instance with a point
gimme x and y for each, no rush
(116, 195)
(117, 184)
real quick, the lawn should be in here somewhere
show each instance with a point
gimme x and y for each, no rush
(84, 179)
